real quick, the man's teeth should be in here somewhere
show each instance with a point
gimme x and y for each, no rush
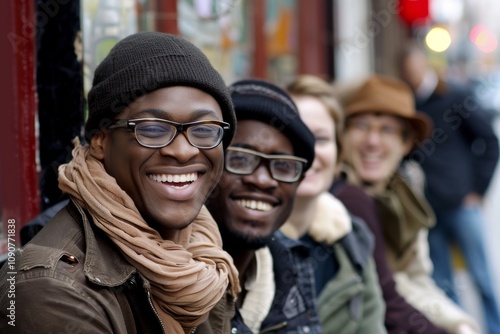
(254, 205)
(177, 178)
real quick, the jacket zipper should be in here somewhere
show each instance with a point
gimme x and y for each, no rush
(273, 328)
(154, 310)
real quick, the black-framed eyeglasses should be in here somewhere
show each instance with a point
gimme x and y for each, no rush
(284, 168)
(157, 133)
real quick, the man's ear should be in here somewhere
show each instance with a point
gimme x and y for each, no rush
(97, 145)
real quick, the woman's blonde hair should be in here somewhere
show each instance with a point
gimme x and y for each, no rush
(313, 86)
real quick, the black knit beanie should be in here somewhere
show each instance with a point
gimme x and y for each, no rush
(147, 61)
(265, 102)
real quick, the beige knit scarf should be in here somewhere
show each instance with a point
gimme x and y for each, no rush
(187, 278)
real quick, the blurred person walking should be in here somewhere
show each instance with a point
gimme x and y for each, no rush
(459, 163)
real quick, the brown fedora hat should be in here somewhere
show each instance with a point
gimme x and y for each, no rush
(386, 95)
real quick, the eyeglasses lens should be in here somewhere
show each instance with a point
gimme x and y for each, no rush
(205, 135)
(159, 134)
(245, 163)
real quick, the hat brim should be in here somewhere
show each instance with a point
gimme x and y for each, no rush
(422, 125)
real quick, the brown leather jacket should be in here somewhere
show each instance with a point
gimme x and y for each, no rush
(72, 279)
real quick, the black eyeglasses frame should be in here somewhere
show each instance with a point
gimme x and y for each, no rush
(267, 158)
(179, 128)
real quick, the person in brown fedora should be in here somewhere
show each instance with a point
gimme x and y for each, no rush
(382, 127)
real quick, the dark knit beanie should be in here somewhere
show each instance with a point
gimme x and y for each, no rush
(147, 61)
(265, 102)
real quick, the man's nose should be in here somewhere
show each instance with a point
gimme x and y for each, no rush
(261, 177)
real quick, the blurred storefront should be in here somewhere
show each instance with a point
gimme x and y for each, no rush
(266, 39)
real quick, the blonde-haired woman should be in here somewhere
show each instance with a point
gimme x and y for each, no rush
(322, 220)
(349, 297)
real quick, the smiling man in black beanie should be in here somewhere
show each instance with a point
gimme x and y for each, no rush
(269, 154)
(135, 250)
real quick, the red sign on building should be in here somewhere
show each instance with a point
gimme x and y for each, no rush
(412, 11)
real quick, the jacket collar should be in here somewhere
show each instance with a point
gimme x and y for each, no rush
(104, 263)
(282, 240)
(331, 221)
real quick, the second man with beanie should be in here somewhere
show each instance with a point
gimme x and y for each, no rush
(264, 164)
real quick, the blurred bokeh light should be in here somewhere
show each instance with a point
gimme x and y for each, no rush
(483, 38)
(438, 39)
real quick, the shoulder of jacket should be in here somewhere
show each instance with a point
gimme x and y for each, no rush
(280, 244)
(61, 239)
(359, 244)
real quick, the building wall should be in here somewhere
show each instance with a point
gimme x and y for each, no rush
(354, 40)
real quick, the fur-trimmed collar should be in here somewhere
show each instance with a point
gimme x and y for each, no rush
(261, 287)
(330, 223)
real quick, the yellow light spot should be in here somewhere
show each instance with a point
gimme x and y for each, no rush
(438, 39)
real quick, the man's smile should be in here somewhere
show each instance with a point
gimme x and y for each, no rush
(254, 204)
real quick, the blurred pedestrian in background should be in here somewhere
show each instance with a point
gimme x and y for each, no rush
(459, 161)
(382, 127)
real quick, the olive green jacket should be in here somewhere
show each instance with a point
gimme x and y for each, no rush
(351, 301)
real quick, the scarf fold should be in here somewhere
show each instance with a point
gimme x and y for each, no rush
(403, 214)
(187, 278)
(401, 211)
